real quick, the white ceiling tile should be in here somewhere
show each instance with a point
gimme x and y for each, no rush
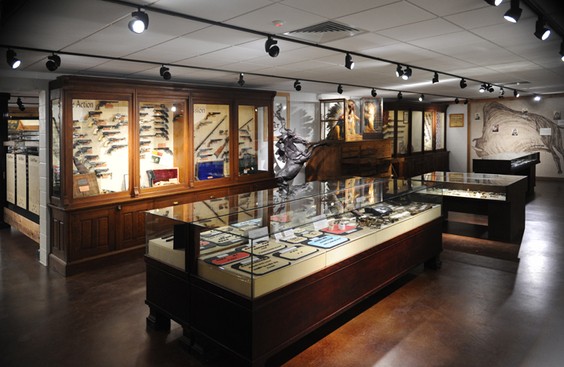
(446, 7)
(336, 8)
(420, 30)
(213, 10)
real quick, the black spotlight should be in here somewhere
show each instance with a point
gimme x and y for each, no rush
(494, 2)
(516, 93)
(12, 59)
(542, 32)
(373, 92)
(514, 12)
(53, 62)
(435, 78)
(241, 80)
(562, 51)
(466, 101)
(456, 100)
(139, 23)
(399, 71)
(271, 48)
(482, 88)
(165, 73)
(490, 88)
(501, 92)
(297, 85)
(463, 83)
(400, 95)
(421, 97)
(20, 104)
(349, 63)
(407, 73)
(340, 89)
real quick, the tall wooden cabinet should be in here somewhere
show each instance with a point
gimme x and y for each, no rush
(120, 148)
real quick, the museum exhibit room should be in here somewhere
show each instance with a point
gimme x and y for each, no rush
(282, 183)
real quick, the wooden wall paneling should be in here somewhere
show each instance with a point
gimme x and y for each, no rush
(130, 224)
(92, 233)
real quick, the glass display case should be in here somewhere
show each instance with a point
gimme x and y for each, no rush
(253, 250)
(211, 141)
(253, 139)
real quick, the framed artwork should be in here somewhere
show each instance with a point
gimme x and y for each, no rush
(456, 120)
(281, 114)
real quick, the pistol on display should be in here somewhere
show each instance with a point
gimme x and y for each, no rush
(82, 150)
(116, 147)
(106, 134)
(78, 142)
(112, 140)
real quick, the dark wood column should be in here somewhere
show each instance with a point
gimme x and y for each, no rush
(4, 98)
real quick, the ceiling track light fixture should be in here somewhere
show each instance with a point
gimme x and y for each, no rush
(349, 63)
(542, 32)
(421, 97)
(490, 88)
(482, 88)
(501, 92)
(435, 78)
(373, 92)
(241, 80)
(406, 73)
(466, 101)
(12, 59)
(340, 89)
(514, 12)
(516, 93)
(139, 23)
(53, 62)
(537, 98)
(400, 95)
(494, 2)
(456, 100)
(271, 48)
(165, 73)
(297, 85)
(399, 71)
(562, 51)
(463, 83)
(20, 104)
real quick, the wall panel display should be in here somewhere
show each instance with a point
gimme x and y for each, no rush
(211, 141)
(33, 184)
(519, 126)
(416, 131)
(100, 146)
(428, 131)
(21, 180)
(11, 178)
(161, 137)
(56, 147)
(439, 131)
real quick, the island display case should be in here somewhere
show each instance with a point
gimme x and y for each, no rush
(501, 198)
(236, 271)
(510, 163)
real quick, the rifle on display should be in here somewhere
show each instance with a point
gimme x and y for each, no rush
(211, 132)
(242, 128)
(221, 147)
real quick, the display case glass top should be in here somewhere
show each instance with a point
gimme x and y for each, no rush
(211, 141)
(256, 250)
(470, 178)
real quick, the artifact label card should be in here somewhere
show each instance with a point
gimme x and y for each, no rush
(263, 248)
(327, 241)
(296, 252)
(260, 265)
(227, 258)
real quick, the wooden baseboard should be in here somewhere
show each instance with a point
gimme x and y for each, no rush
(22, 224)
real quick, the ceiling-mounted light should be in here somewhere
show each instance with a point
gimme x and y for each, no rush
(165, 73)
(349, 63)
(241, 80)
(537, 98)
(340, 89)
(482, 88)
(501, 92)
(542, 32)
(435, 78)
(297, 85)
(373, 92)
(399, 71)
(407, 73)
(271, 48)
(494, 2)
(490, 88)
(562, 51)
(139, 23)
(53, 62)
(516, 93)
(466, 101)
(173, 108)
(456, 100)
(463, 83)
(514, 12)
(20, 104)
(421, 97)
(12, 59)
(400, 95)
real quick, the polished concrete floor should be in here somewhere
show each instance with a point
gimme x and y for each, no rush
(475, 311)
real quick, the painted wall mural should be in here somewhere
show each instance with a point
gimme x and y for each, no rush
(520, 126)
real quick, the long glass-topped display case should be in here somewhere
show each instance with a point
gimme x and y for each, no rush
(258, 242)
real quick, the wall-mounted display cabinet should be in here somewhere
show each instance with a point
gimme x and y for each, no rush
(235, 270)
(419, 137)
(119, 148)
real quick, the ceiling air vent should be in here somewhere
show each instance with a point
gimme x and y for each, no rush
(325, 32)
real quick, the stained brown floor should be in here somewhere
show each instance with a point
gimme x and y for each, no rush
(475, 311)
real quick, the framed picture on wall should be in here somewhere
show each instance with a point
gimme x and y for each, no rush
(456, 120)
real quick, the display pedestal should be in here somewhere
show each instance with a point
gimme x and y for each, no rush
(523, 164)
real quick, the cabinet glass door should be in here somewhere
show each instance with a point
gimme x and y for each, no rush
(211, 141)
(253, 140)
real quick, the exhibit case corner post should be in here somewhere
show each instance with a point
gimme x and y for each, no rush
(239, 258)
